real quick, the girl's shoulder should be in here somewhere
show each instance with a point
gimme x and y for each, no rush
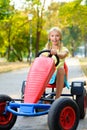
(64, 49)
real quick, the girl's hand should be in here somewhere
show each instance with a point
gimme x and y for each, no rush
(53, 52)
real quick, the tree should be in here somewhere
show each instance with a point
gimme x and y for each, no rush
(5, 13)
(73, 17)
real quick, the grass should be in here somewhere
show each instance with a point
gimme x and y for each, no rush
(9, 66)
(83, 63)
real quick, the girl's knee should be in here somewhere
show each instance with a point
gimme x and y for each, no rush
(61, 71)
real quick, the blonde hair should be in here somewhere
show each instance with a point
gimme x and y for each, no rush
(49, 45)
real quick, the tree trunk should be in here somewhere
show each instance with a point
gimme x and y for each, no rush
(37, 42)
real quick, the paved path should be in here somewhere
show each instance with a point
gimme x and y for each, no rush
(75, 71)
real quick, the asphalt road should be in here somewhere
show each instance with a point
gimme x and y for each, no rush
(11, 82)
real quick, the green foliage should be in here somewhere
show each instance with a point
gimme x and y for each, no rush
(15, 26)
(73, 17)
(4, 9)
(52, 16)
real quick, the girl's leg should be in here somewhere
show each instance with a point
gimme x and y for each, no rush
(60, 81)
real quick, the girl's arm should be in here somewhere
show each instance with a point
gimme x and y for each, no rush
(61, 54)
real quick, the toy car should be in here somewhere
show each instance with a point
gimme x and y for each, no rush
(63, 113)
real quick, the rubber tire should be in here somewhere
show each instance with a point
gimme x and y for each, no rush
(9, 118)
(82, 103)
(54, 115)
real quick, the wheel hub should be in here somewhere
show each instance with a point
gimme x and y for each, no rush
(67, 118)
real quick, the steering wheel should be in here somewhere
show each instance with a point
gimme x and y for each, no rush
(43, 51)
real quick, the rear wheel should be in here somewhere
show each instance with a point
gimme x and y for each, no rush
(63, 115)
(7, 119)
(81, 100)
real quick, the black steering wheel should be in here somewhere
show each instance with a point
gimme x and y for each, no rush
(43, 51)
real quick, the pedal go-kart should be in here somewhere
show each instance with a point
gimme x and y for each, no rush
(63, 113)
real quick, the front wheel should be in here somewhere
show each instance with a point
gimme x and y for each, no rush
(7, 119)
(63, 115)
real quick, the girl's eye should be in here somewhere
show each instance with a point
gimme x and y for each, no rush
(54, 35)
(57, 35)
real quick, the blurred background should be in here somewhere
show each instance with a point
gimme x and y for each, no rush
(24, 26)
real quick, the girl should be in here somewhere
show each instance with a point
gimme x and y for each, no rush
(57, 48)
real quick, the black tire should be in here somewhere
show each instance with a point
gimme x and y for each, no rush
(7, 120)
(81, 100)
(63, 115)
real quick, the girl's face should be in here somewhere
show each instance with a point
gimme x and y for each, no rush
(54, 37)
